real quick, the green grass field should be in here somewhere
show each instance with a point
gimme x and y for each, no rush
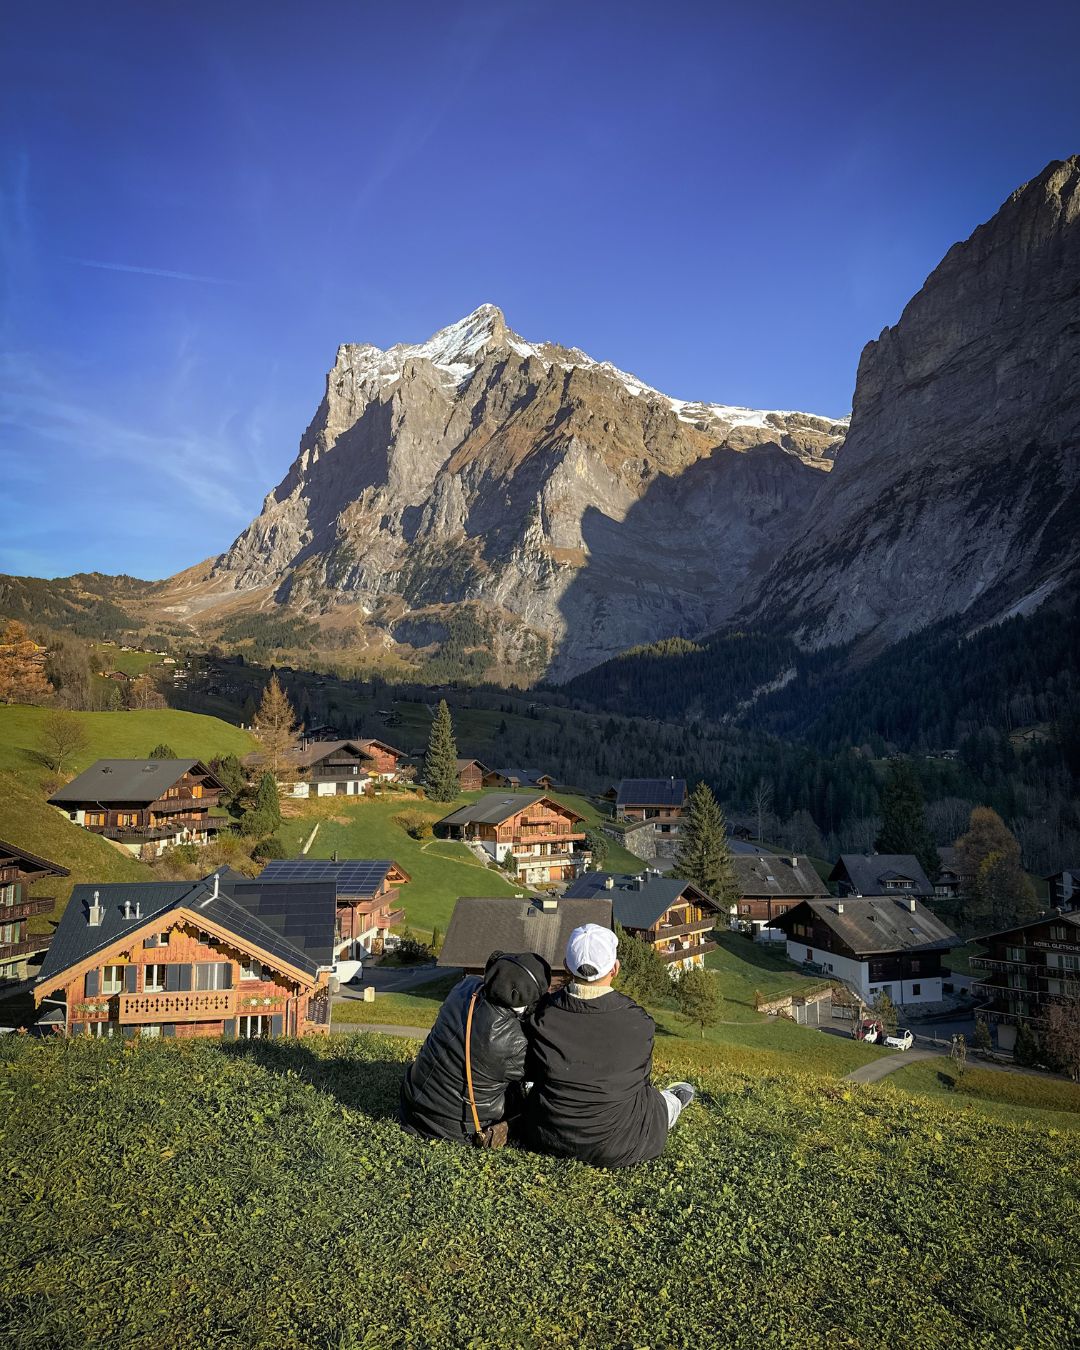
(442, 870)
(109, 657)
(746, 968)
(27, 820)
(1012, 1097)
(162, 1195)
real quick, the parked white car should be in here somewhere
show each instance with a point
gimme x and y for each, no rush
(902, 1040)
(346, 971)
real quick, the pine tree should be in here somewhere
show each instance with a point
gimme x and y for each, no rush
(699, 999)
(903, 824)
(703, 855)
(162, 751)
(275, 726)
(267, 802)
(1026, 1047)
(440, 760)
(642, 974)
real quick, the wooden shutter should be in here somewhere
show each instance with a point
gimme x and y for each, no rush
(168, 1028)
(184, 976)
(277, 1022)
(226, 974)
(92, 984)
(131, 978)
(172, 978)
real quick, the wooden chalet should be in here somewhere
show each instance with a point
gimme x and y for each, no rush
(518, 778)
(471, 774)
(880, 874)
(878, 943)
(225, 956)
(670, 914)
(770, 885)
(481, 925)
(18, 872)
(661, 801)
(366, 893)
(952, 878)
(339, 768)
(145, 803)
(541, 835)
(1025, 969)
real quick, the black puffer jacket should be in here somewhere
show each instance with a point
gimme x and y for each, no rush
(434, 1096)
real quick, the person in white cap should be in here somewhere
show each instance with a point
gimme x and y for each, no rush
(590, 1061)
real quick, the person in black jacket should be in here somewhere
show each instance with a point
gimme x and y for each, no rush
(434, 1093)
(590, 1063)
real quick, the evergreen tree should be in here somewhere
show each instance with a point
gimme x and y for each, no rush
(597, 842)
(267, 802)
(1026, 1047)
(642, 974)
(703, 855)
(275, 726)
(699, 999)
(230, 771)
(162, 751)
(903, 824)
(440, 759)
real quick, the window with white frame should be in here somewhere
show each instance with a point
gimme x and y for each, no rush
(212, 975)
(151, 1032)
(103, 1030)
(249, 1028)
(7, 894)
(112, 979)
(154, 978)
(250, 969)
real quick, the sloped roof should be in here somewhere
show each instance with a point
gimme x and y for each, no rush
(32, 861)
(128, 780)
(495, 807)
(1068, 916)
(294, 922)
(651, 792)
(877, 924)
(867, 872)
(481, 925)
(766, 875)
(526, 776)
(637, 900)
(460, 764)
(359, 878)
(318, 750)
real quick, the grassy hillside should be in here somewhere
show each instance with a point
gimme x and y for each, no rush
(28, 821)
(1012, 1097)
(442, 870)
(287, 1209)
(118, 735)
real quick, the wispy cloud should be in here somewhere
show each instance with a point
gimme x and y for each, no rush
(150, 271)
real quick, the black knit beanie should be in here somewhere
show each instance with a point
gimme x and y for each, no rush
(516, 980)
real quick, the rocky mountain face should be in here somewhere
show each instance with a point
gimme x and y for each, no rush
(571, 509)
(957, 491)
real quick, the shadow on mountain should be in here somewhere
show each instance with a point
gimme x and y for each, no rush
(685, 556)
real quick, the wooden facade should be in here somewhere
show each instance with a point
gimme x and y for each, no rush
(539, 834)
(681, 935)
(1025, 969)
(185, 975)
(367, 920)
(18, 870)
(181, 814)
(471, 775)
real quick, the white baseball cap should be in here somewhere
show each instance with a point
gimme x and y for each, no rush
(591, 952)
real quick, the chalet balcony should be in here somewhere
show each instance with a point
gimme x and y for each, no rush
(392, 918)
(1009, 1018)
(25, 909)
(992, 963)
(1069, 979)
(663, 933)
(183, 1007)
(318, 1010)
(26, 947)
(682, 953)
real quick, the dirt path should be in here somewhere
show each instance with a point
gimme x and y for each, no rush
(878, 1068)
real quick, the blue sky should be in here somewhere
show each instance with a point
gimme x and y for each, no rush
(198, 202)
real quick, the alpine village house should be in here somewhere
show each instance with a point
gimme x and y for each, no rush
(339, 768)
(769, 886)
(481, 925)
(225, 956)
(18, 871)
(366, 897)
(1025, 969)
(673, 916)
(145, 803)
(651, 811)
(539, 834)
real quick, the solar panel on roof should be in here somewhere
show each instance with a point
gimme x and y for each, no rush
(354, 876)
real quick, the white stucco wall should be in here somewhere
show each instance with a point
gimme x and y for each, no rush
(857, 973)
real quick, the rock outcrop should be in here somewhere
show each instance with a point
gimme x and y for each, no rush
(957, 491)
(559, 494)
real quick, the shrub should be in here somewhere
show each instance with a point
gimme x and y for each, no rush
(1026, 1048)
(416, 824)
(270, 847)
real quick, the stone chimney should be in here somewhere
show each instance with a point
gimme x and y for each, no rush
(839, 906)
(609, 883)
(95, 913)
(911, 904)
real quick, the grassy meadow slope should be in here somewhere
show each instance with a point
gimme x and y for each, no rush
(196, 1193)
(28, 821)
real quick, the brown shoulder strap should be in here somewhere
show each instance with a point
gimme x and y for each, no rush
(468, 1063)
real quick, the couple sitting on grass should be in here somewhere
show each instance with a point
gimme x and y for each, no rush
(567, 1073)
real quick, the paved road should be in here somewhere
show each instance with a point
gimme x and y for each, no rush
(878, 1068)
(396, 979)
